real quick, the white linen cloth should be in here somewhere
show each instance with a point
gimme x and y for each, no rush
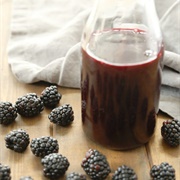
(45, 44)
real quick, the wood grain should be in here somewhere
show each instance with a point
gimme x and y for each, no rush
(73, 143)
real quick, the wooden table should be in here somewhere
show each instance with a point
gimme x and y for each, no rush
(73, 143)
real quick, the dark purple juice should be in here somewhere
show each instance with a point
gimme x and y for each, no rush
(120, 84)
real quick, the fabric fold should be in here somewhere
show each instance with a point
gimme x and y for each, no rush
(40, 47)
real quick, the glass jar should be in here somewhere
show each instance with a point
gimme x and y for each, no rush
(122, 53)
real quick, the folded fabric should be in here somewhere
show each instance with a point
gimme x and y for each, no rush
(45, 38)
(45, 41)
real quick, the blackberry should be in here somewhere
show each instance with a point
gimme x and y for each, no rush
(162, 171)
(5, 172)
(50, 96)
(170, 132)
(124, 172)
(55, 165)
(26, 178)
(17, 140)
(8, 113)
(29, 105)
(62, 115)
(44, 145)
(75, 176)
(95, 165)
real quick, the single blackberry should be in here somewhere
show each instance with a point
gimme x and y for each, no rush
(75, 176)
(62, 115)
(170, 132)
(162, 171)
(26, 178)
(50, 96)
(55, 165)
(95, 165)
(29, 105)
(44, 145)
(8, 113)
(17, 140)
(5, 172)
(124, 172)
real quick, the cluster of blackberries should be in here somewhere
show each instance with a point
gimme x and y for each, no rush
(55, 165)
(97, 167)
(18, 140)
(47, 148)
(94, 164)
(29, 105)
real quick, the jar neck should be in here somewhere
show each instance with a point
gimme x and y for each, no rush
(127, 14)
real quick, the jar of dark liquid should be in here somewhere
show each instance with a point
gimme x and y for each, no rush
(122, 54)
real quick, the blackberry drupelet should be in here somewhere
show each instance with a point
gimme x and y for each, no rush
(17, 140)
(50, 96)
(55, 165)
(29, 105)
(124, 172)
(163, 171)
(95, 165)
(44, 145)
(170, 132)
(62, 115)
(75, 176)
(26, 178)
(5, 172)
(8, 113)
